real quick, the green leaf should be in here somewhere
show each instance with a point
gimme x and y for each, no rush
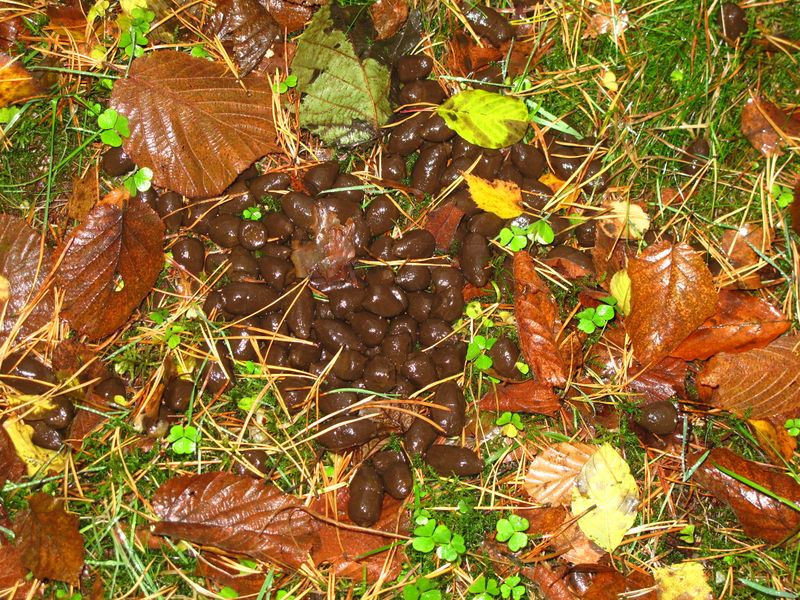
(458, 544)
(121, 126)
(442, 534)
(228, 592)
(517, 541)
(504, 419)
(587, 326)
(483, 362)
(107, 119)
(586, 313)
(426, 529)
(504, 530)
(605, 312)
(505, 236)
(518, 243)
(423, 544)
(541, 232)
(518, 523)
(485, 118)
(346, 101)
(111, 138)
(410, 592)
(431, 595)
(478, 586)
(473, 350)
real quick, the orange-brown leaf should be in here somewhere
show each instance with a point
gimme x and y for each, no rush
(388, 16)
(290, 15)
(85, 193)
(528, 397)
(247, 27)
(194, 124)
(759, 383)
(760, 515)
(552, 473)
(740, 247)
(741, 322)
(537, 322)
(238, 514)
(766, 126)
(774, 439)
(16, 83)
(109, 264)
(442, 223)
(672, 293)
(49, 541)
(11, 466)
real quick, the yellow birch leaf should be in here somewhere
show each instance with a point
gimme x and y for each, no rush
(127, 6)
(34, 457)
(607, 493)
(684, 581)
(502, 198)
(620, 288)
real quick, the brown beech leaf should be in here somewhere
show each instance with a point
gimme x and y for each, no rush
(760, 515)
(85, 193)
(552, 585)
(610, 254)
(224, 572)
(237, 514)
(194, 124)
(109, 264)
(388, 16)
(672, 293)
(552, 473)
(247, 27)
(353, 554)
(442, 223)
(740, 247)
(16, 83)
(291, 15)
(23, 265)
(766, 126)
(49, 541)
(741, 322)
(759, 383)
(11, 466)
(12, 583)
(528, 397)
(537, 322)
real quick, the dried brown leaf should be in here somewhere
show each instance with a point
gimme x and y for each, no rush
(49, 541)
(85, 194)
(247, 28)
(291, 16)
(774, 439)
(237, 514)
(194, 124)
(607, 18)
(741, 322)
(23, 264)
(12, 583)
(672, 293)
(537, 322)
(10, 28)
(388, 17)
(528, 397)
(740, 247)
(225, 572)
(109, 264)
(760, 515)
(442, 223)
(11, 466)
(757, 384)
(765, 126)
(552, 473)
(16, 83)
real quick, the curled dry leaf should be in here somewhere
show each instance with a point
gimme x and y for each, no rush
(740, 247)
(16, 83)
(610, 254)
(741, 322)
(388, 16)
(757, 384)
(246, 27)
(760, 515)
(237, 514)
(537, 322)
(194, 124)
(109, 264)
(552, 473)
(672, 293)
(23, 264)
(766, 126)
(442, 223)
(49, 541)
(527, 397)
(35, 458)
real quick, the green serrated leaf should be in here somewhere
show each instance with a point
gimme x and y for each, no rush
(486, 119)
(345, 100)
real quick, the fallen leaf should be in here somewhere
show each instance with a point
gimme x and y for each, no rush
(34, 457)
(194, 124)
(610, 254)
(345, 101)
(553, 585)
(10, 29)
(607, 490)
(109, 264)
(740, 246)
(537, 322)
(11, 466)
(623, 220)
(552, 473)
(24, 261)
(766, 126)
(388, 16)
(741, 322)
(237, 514)
(568, 267)
(50, 544)
(672, 293)
(357, 554)
(612, 585)
(247, 27)
(442, 223)
(464, 56)
(500, 197)
(225, 572)
(12, 574)
(332, 251)
(607, 18)
(16, 83)
(486, 119)
(290, 15)
(85, 194)
(759, 383)
(684, 581)
(794, 209)
(67, 15)
(527, 397)
(759, 515)
(620, 288)
(774, 439)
